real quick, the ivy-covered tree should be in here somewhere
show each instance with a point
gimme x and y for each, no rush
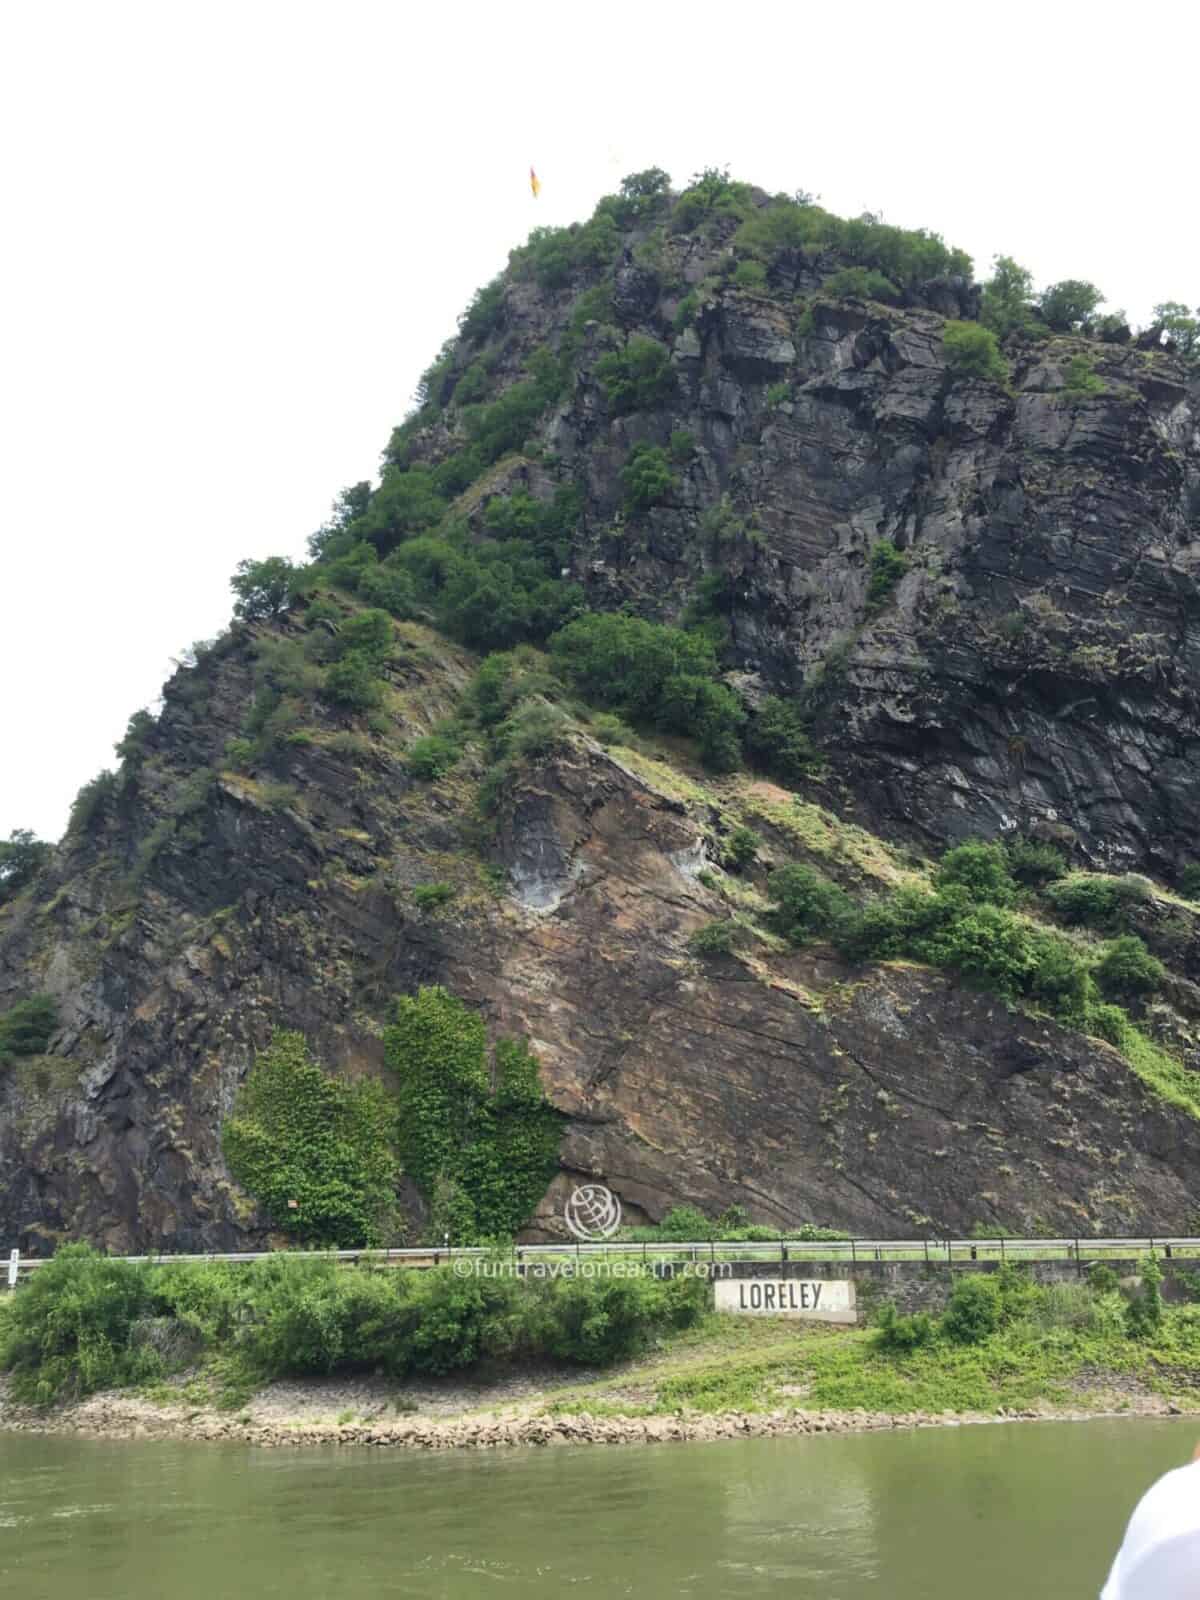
(317, 1152)
(481, 1144)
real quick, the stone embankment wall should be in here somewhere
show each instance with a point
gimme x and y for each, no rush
(926, 1285)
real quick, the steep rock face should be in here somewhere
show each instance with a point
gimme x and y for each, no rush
(885, 1099)
(1038, 661)
(1034, 668)
(1037, 664)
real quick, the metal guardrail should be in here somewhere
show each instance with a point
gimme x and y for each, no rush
(935, 1251)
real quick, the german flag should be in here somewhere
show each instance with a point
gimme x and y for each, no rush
(535, 183)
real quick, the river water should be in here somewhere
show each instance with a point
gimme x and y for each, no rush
(1005, 1512)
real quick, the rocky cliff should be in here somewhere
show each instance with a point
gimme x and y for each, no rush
(1034, 668)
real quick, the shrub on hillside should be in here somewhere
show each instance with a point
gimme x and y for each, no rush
(741, 849)
(1127, 970)
(638, 378)
(433, 756)
(971, 351)
(896, 1332)
(1006, 301)
(981, 869)
(715, 938)
(888, 566)
(988, 946)
(861, 283)
(972, 1313)
(1097, 902)
(1034, 863)
(777, 737)
(27, 1027)
(806, 904)
(647, 477)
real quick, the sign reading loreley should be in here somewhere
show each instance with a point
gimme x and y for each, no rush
(826, 1300)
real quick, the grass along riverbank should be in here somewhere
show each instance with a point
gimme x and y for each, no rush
(1005, 1347)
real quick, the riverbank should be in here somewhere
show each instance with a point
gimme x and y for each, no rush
(782, 1377)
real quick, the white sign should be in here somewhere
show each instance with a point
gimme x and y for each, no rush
(14, 1262)
(823, 1300)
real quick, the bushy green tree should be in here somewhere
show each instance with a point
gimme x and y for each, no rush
(623, 661)
(711, 193)
(22, 857)
(296, 1134)
(638, 378)
(1006, 302)
(972, 1313)
(1181, 327)
(750, 274)
(264, 589)
(93, 801)
(988, 946)
(1059, 979)
(485, 312)
(350, 504)
(353, 682)
(888, 565)
(1069, 306)
(971, 351)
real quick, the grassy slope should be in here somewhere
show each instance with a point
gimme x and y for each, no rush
(756, 1364)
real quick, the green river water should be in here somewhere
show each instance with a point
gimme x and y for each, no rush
(1006, 1512)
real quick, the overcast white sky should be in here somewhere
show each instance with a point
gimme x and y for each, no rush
(235, 234)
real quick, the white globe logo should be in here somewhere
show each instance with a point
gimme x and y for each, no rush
(593, 1212)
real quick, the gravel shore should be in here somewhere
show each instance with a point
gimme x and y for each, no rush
(364, 1413)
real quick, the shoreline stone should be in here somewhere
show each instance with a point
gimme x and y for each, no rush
(117, 1416)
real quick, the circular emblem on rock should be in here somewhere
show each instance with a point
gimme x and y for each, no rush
(592, 1212)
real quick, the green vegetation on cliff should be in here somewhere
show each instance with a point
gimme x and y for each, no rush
(316, 1152)
(323, 1156)
(979, 921)
(481, 1143)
